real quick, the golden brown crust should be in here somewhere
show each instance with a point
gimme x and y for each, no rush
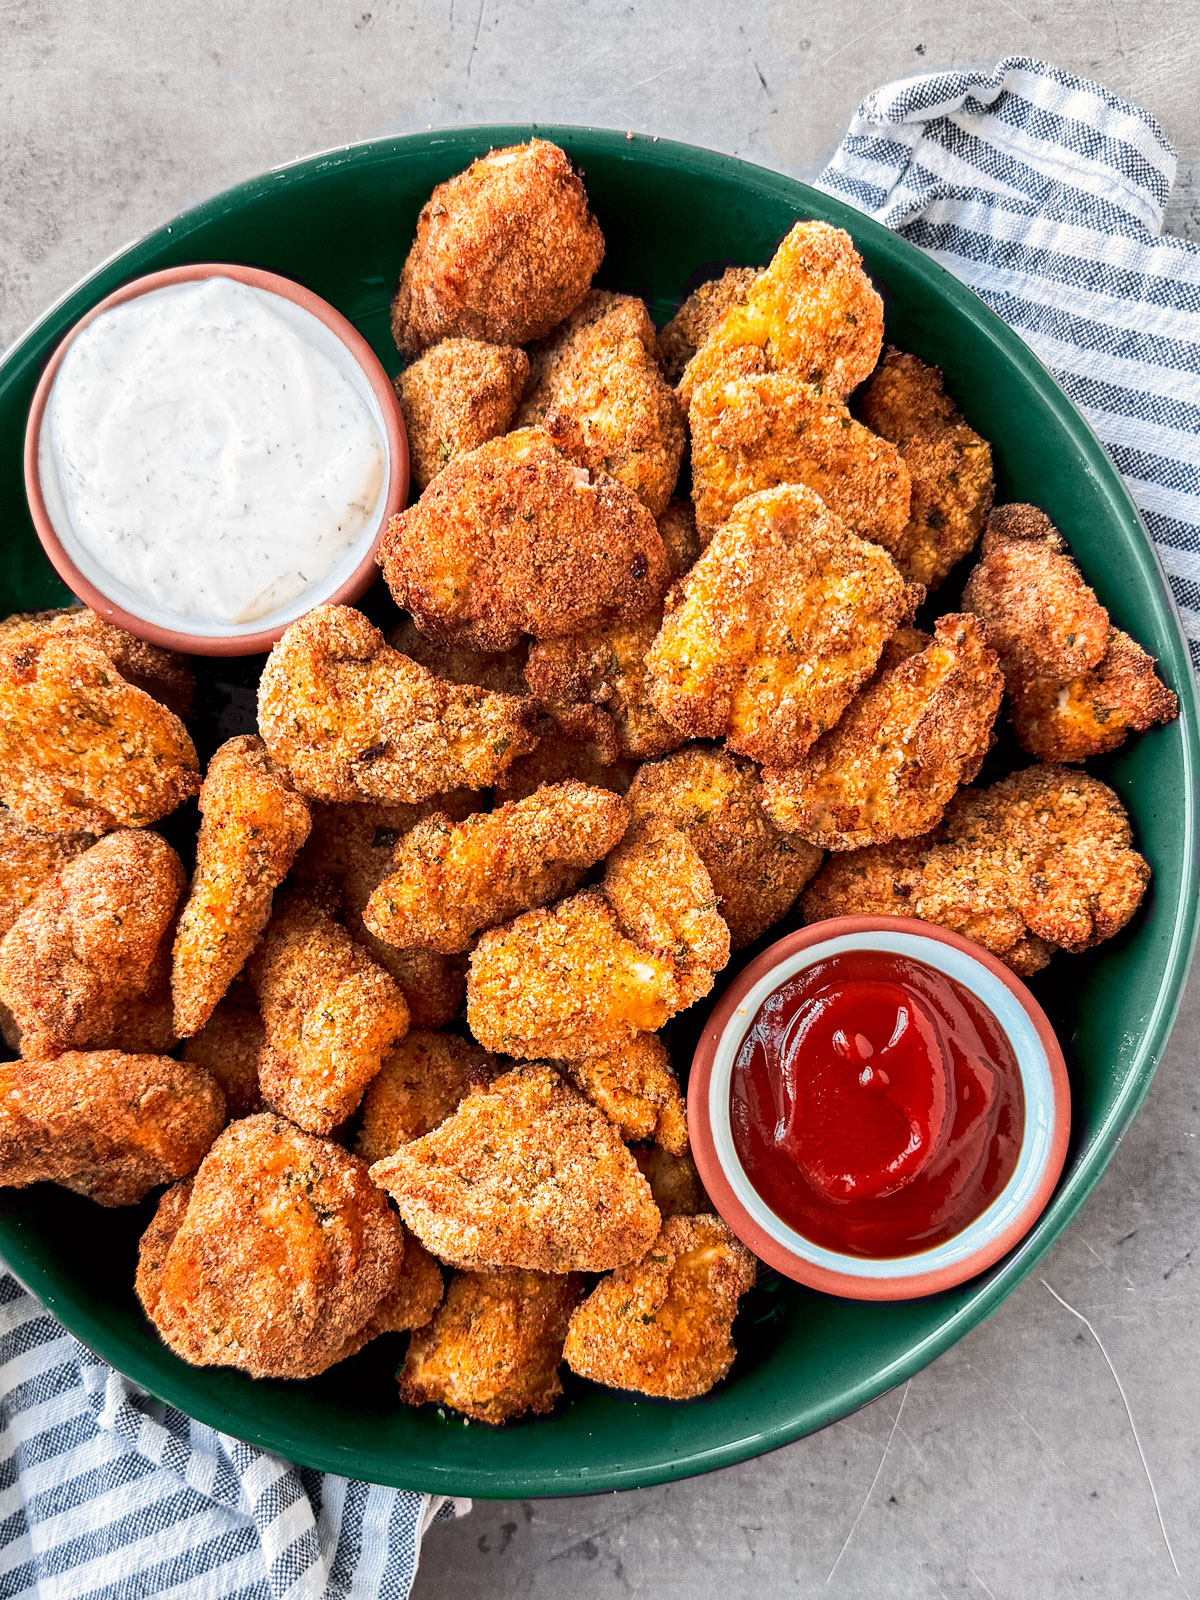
(1094, 712)
(165, 676)
(698, 316)
(504, 250)
(28, 856)
(455, 397)
(680, 537)
(673, 1179)
(230, 1045)
(662, 1325)
(636, 1088)
(105, 1124)
(417, 1088)
(414, 1296)
(527, 1174)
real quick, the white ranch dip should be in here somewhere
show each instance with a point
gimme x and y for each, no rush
(209, 456)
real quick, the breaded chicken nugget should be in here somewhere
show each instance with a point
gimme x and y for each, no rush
(756, 870)
(813, 312)
(516, 538)
(1094, 712)
(751, 433)
(637, 1089)
(776, 627)
(165, 676)
(415, 1294)
(524, 1174)
(230, 1045)
(454, 398)
(493, 1350)
(449, 880)
(107, 1125)
(349, 718)
(902, 748)
(28, 856)
(601, 316)
(273, 1258)
(253, 825)
(331, 1016)
(81, 748)
(680, 536)
(698, 316)
(590, 755)
(673, 1179)
(94, 941)
(662, 1325)
(504, 251)
(417, 1088)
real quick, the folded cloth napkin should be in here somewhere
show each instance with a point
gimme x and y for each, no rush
(1043, 192)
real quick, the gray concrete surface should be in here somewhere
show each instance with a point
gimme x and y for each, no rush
(1055, 1451)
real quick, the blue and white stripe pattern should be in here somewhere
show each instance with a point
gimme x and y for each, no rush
(1045, 194)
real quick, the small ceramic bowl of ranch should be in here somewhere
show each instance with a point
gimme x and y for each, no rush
(211, 452)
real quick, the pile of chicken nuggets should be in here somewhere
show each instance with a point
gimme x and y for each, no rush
(393, 1044)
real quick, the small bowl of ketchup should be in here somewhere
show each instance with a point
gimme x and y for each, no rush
(879, 1108)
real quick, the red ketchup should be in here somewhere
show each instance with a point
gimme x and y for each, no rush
(876, 1104)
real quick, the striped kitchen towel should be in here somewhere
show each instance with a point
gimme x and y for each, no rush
(1045, 194)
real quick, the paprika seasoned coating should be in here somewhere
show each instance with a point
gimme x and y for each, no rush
(776, 627)
(813, 312)
(757, 871)
(949, 467)
(331, 1016)
(28, 856)
(455, 397)
(1094, 712)
(275, 1256)
(516, 538)
(164, 675)
(93, 946)
(81, 749)
(751, 433)
(904, 745)
(662, 1325)
(525, 1174)
(636, 1088)
(107, 1125)
(229, 1046)
(698, 316)
(416, 1089)
(493, 1349)
(449, 880)
(349, 718)
(673, 1179)
(253, 823)
(504, 250)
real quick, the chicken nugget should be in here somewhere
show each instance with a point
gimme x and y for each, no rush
(699, 314)
(673, 1179)
(165, 676)
(516, 538)
(589, 753)
(901, 749)
(1094, 712)
(230, 1045)
(813, 312)
(776, 627)
(349, 718)
(601, 318)
(81, 749)
(94, 940)
(274, 1257)
(416, 1089)
(455, 397)
(253, 823)
(28, 856)
(636, 1088)
(751, 433)
(504, 251)
(493, 1349)
(331, 1016)
(757, 871)
(449, 880)
(662, 1325)
(414, 1296)
(949, 467)
(525, 1174)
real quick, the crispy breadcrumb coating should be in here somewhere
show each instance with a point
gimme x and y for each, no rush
(331, 1017)
(414, 1296)
(273, 1258)
(107, 1125)
(680, 536)
(455, 397)
(1094, 712)
(636, 1088)
(590, 755)
(229, 1045)
(525, 1174)
(28, 856)
(662, 1325)
(756, 870)
(94, 941)
(902, 748)
(493, 1350)
(165, 676)
(754, 432)
(776, 627)
(698, 316)
(516, 538)
(673, 1179)
(813, 312)
(504, 250)
(253, 825)
(80, 747)
(449, 880)
(417, 1088)
(949, 467)
(349, 718)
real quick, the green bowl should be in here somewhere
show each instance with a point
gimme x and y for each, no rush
(341, 223)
